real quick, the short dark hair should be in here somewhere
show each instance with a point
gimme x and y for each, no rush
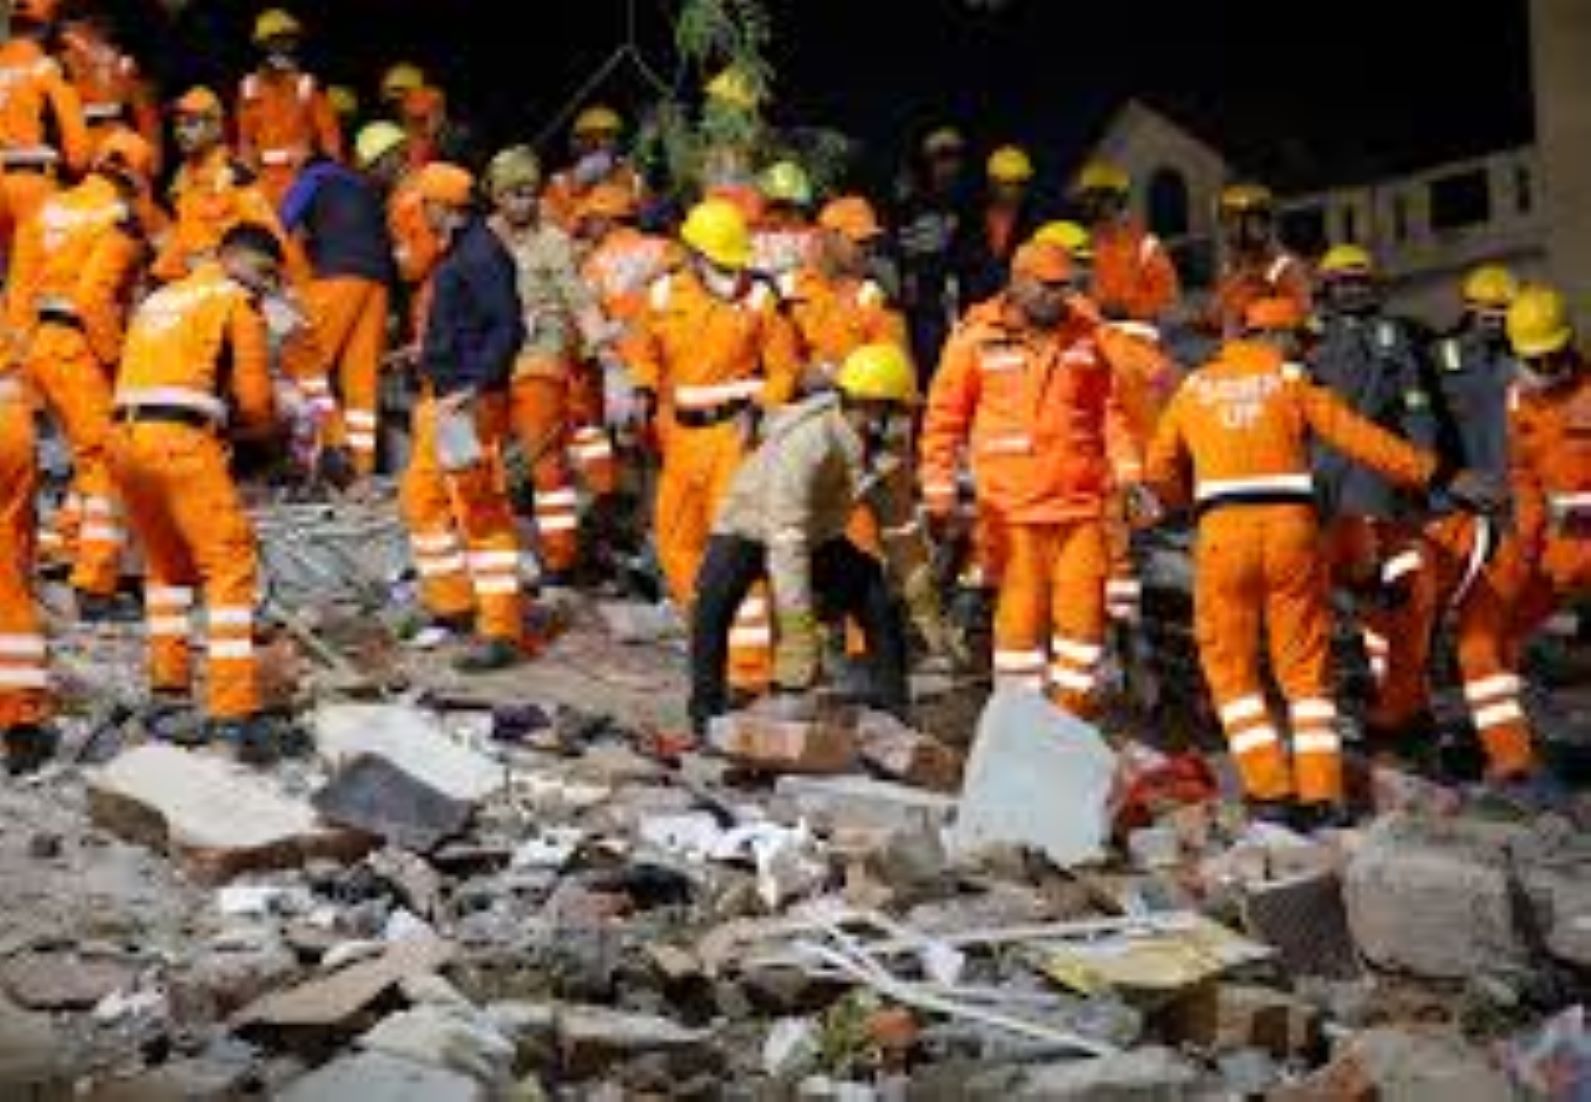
(255, 238)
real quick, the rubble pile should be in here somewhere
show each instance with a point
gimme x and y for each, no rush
(531, 886)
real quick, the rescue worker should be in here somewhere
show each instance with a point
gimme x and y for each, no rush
(836, 305)
(339, 221)
(25, 699)
(1474, 369)
(453, 495)
(39, 106)
(1025, 392)
(929, 220)
(424, 116)
(1372, 362)
(112, 89)
(784, 238)
(69, 289)
(283, 115)
(711, 353)
(785, 518)
(1008, 217)
(596, 158)
(621, 260)
(561, 322)
(401, 78)
(194, 371)
(1134, 278)
(345, 105)
(212, 191)
(1235, 444)
(1254, 265)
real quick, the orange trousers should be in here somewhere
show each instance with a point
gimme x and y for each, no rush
(1050, 616)
(1260, 568)
(1492, 612)
(461, 525)
(541, 421)
(22, 193)
(188, 515)
(698, 466)
(591, 446)
(77, 392)
(24, 676)
(349, 317)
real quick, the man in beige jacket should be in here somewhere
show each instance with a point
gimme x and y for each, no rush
(785, 518)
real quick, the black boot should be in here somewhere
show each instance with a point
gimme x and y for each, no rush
(116, 608)
(253, 739)
(29, 748)
(487, 656)
(1325, 815)
(1275, 812)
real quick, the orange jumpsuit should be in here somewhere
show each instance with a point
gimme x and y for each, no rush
(36, 103)
(283, 118)
(1275, 274)
(415, 246)
(1242, 427)
(210, 196)
(709, 361)
(836, 317)
(24, 675)
(622, 266)
(1039, 417)
(112, 89)
(195, 349)
(562, 197)
(1134, 278)
(72, 273)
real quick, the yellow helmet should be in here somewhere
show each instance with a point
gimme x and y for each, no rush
(514, 167)
(1010, 164)
(377, 139)
(1538, 322)
(1347, 260)
(1490, 287)
(276, 23)
(344, 100)
(1098, 175)
(734, 88)
(1247, 198)
(716, 229)
(597, 120)
(878, 373)
(1069, 236)
(401, 79)
(786, 182)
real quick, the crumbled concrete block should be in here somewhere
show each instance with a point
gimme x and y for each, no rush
(409, 739)
(824, 745)
(380, 797)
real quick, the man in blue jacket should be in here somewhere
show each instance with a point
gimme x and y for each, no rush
(454, 496)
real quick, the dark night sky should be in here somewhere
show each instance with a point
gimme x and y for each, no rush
(1358, 84)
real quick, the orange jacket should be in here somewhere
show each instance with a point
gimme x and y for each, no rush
(561, 198)
(1277, 274)
(1133, 274)
(1550, 455)
(210, 197)
(1146, 377)
(283, 118)
(78, 257)
(696, 351)
(36, 102)
(200, 344)
(1037, 413)
(836, 317)
(415, 246)
(111, 88)
(623, 265)
(1244, 423)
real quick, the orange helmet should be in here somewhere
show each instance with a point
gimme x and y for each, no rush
(1274, 315)
(851, 217)
(449, 185)
(125, 151)
(36, 11)
(199, 101)
(610, 201)
(1044, 261)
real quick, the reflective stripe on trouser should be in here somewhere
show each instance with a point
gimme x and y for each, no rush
(168, 612)
(24, 680)
(474, 503)
(1123, 590)
(698, 466)
(590, 446)
(1317, 750)
(78, 393)
(346, 343)
(1258, 572)
(542, 425)
(190, 520)
(1052, 597)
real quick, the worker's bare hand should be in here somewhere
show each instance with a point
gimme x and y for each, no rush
(1144, 509)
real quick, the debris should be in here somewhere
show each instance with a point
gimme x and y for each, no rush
(791, 1048)
(823, 745)
(1225, 1017)
(1161, 953)
(860, 803)
(1395, 1063)
(1036, 776)
(1305, 920)
(1139, 1075)
(377, 1075)
(591, 1035)
(334, 999)
(633, 622)
(219, 819)
(548, 848)
(411, 741)
(1158, 847)
(456, 1038)
(895, 750)
(376, 795)
(1554, 1058)
(62, 980)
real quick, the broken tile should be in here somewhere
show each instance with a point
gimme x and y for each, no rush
(62, 980)
(412, 741)
(376, 795)
(759, 741)
(334, 999)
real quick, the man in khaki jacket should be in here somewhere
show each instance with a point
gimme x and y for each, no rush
(785, 518)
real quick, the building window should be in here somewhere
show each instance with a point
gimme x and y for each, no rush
(1168, 203)
(1524, 190)
(1461, 200)
(1350, 225)
(1400, 218)
(1303, 230)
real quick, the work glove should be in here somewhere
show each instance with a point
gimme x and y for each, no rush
(1478, 492)
(922, 603)
(335, 467)
(796, 655)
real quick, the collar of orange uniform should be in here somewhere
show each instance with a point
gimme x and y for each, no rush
(1252, 356)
